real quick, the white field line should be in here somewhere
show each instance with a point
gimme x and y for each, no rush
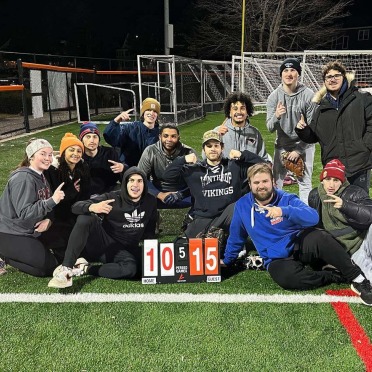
(175, 297)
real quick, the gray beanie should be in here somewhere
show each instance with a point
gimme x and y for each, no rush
(36, 145)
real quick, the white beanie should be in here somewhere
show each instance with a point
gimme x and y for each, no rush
(36, 145)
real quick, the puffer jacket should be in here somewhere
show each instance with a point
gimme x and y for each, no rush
(356, 206)
(344, 133)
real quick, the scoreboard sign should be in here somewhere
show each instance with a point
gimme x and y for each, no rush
(181, 262)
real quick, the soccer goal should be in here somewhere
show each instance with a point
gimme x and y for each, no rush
(258, 73)
(103, 102)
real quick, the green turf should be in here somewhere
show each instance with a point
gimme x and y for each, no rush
(166, 336)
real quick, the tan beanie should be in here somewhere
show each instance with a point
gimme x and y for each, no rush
(150, 104)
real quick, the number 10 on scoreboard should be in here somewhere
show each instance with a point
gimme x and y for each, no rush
(181, 262)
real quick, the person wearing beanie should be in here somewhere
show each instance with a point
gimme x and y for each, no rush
(26, 207)
(287, 105)
(342, 124)
(109, 229)
(283, 231)
(106, 171)
(133, 137)
(73, 172)
(345, 211)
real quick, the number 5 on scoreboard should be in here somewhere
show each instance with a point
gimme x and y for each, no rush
(211, 256)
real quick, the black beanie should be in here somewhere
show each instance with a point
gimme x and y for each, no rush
(291, 63)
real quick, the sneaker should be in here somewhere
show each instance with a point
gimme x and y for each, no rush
(364, 290)
(2, 267)
(62, 277)
(81, 267)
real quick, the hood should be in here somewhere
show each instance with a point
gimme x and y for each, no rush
(228, 124)
(319, 95)
(127, 174)
(26, 170)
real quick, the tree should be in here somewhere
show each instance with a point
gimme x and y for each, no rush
(271, 25)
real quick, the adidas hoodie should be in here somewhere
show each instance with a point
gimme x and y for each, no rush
(128, 222)
(25, 201)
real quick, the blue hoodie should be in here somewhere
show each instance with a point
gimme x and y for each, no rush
(273, 238)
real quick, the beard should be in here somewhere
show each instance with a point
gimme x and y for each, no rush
(263, 195)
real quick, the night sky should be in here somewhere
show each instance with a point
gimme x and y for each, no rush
(87, 28)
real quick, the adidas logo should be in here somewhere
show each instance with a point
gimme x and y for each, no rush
(134, 220)
(134, 217)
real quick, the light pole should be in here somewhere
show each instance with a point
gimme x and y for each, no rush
(242, 49)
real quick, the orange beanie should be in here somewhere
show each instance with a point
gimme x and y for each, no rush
(68, 140)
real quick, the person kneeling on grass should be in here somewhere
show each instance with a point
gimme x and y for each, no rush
(346, 213)
(281, 228)
(109, 229)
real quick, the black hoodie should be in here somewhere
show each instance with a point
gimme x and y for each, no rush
(128, 222)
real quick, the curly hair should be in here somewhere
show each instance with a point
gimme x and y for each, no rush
(235, 97)
(333, 65)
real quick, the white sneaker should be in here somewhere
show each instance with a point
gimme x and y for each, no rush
(81, 267)
(62, 277)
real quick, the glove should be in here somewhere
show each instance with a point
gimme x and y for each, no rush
(173, 198)
(297, 168)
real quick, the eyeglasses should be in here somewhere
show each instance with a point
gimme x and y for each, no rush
(335, 76)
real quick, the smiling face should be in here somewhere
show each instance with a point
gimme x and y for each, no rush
(262, 187)
(238, 113)
(290, 77)
(91, 141)
(135, 187)
(73, 155)
(42, 159)
(169, 139)
(333, 81)
(213, 151)
(331, 185)
(150, 116)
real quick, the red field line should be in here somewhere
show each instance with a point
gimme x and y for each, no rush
(358, 337)
(7, 88)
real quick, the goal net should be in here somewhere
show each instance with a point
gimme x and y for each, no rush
(101, 103)
(258, 73)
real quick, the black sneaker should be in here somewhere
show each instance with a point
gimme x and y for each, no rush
(364, 290)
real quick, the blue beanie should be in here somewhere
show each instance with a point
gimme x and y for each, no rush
(88, 127)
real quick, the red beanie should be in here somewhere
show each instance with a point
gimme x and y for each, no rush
(335, 169)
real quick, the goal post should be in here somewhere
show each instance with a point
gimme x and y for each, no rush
(261, 70)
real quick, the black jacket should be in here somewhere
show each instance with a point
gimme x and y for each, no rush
(356, 206)
(344, 134)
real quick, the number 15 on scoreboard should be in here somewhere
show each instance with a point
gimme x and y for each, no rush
(181, 262)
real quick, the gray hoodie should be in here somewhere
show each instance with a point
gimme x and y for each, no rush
(25, 201)
(296, 104)
(243, 138)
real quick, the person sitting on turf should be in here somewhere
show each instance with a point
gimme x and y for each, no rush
(109, 229)
(134, 137)
(156, 158)
(74, 173)
(346, 213)
(103, 162)
(214, 183)
(281, 227)
(25, 208)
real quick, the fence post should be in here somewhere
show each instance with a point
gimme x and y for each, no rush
(26, 123)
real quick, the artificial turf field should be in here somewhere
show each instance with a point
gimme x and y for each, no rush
(244, 323)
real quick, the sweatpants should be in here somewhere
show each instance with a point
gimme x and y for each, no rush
(363, 256)
(314, 246)
(88, 238)
(202, 224)
(27, 254)
(361, 179)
